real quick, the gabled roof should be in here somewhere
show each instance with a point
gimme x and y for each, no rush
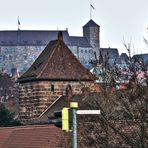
(57, 62)
(91, 23)
(111, 53)
(33, 136)
(124, 57)
(79, 41)
(141, 57)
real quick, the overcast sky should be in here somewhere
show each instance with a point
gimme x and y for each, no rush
(117, 18)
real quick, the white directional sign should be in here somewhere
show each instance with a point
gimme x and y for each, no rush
(89, 112)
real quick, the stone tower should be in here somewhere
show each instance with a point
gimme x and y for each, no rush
(48, 78)
(92, 32)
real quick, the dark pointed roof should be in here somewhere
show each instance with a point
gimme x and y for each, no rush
(91, 23)
(141, 57)
(124, 57)
(57, 62)
(79, 41)
(111, 53)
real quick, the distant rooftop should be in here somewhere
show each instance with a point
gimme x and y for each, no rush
(29, 37)
(39, 38)
(79, 41)
(110, 52)
(139, 57)
(91, 23)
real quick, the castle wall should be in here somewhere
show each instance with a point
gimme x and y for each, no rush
(20, 57)
(83, 54)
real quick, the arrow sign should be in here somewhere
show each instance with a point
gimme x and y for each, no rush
(88, 112)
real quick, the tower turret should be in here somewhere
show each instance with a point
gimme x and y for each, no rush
(92, 32)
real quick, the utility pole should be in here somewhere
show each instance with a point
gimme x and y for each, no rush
(74, 106)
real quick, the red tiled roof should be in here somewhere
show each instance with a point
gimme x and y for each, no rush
(38, 136)
(57, 62)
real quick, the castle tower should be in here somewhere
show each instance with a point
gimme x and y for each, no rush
(92, 32)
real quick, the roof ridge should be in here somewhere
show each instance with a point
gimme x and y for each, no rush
(91, 23)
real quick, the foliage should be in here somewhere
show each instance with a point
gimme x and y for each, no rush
(7, 118)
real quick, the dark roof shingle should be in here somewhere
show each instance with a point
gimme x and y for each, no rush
(79, 41)
(91, 23)
(141, 57)
(29, 37)
(111, 53)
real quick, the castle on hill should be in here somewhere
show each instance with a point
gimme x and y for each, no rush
(20, 48)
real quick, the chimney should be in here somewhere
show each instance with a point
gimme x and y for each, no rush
(14, 72)
(60, 36)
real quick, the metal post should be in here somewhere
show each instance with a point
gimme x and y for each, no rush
(74, 128)
(74, 106)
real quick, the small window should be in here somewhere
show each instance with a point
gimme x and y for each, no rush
(11, 42)
(25, 42)
(52, 88)
(3, 42)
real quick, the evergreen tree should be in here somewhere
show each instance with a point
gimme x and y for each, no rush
(7, 118)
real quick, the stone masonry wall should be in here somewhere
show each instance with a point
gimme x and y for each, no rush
(35, 97)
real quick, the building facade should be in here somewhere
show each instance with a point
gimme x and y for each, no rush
(18, 49)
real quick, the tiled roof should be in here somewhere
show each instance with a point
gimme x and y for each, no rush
(91, 23)
(57, 62)
(37, 136)
(139, 57)
(79, 41)
(112, 53)
(124, 56)
(29, 37)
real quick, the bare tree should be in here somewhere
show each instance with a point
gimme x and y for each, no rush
(124, 114)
